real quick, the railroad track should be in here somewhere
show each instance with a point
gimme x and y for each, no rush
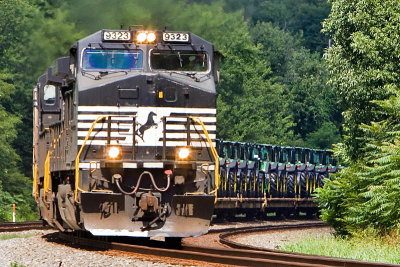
(240, 256)
(21, 226)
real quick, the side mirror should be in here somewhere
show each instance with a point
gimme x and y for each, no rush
(216, 59)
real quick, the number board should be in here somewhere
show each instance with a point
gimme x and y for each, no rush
(176, 37)
(116, 36)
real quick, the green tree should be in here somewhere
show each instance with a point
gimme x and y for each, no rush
(15, 22)
(301, 18)
(309, 101)
(363, 61)
(366, 193)
(364, 64)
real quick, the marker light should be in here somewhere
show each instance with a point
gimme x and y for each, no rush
(151, 37)
(113, 152)
(141, 37)
(183, 153)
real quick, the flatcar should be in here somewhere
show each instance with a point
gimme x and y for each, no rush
(124, 135)
(256, 179)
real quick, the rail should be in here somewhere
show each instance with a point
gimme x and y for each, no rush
(21, 226)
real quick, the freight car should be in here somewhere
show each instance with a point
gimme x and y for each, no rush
(124, 135)
(256, 179)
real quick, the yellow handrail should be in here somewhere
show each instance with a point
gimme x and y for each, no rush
(214, 152)
(46, 181)
(79, 154)
(47, 171)
(35, 167)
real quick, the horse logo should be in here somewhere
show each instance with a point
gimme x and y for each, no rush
(149, 124)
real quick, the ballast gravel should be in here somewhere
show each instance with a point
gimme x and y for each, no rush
(35, 250)
(278, 238)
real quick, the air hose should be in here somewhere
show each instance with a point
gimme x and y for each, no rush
(118, 177)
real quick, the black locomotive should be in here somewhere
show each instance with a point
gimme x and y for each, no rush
(124, 135)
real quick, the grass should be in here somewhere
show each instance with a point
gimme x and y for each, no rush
(363, 248)
(15, 235)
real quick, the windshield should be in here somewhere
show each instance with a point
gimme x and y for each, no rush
(189, 61)
(97, 59)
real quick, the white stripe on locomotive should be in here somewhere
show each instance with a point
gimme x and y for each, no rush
(149, 129)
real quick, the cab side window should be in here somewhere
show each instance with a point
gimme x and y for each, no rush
(50, 106)
(49, 95)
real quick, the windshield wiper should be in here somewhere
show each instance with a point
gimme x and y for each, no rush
(191, 75)
(101, 73)
(187, 74)
(180, 59)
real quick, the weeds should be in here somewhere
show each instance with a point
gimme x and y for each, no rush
(15, 235)
(364, 246)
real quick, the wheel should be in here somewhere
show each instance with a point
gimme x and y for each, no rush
(273, 185)
(311, 183)
(320, 181)
(230, 185)
(221, 183)
(240, 185)
(259, 187)
(290, 186)
(266, 185)
(281, 185)
(303, 185)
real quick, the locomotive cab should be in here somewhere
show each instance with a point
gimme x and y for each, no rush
(125, 133)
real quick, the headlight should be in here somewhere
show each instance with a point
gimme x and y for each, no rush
(141, 37)
(145, 37)
(151, 37)
(183, 153)
(114, 152)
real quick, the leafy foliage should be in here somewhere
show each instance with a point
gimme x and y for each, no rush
(364, 63)
(307, 99)
(366, 194)
(14, 186)
(301, 18)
